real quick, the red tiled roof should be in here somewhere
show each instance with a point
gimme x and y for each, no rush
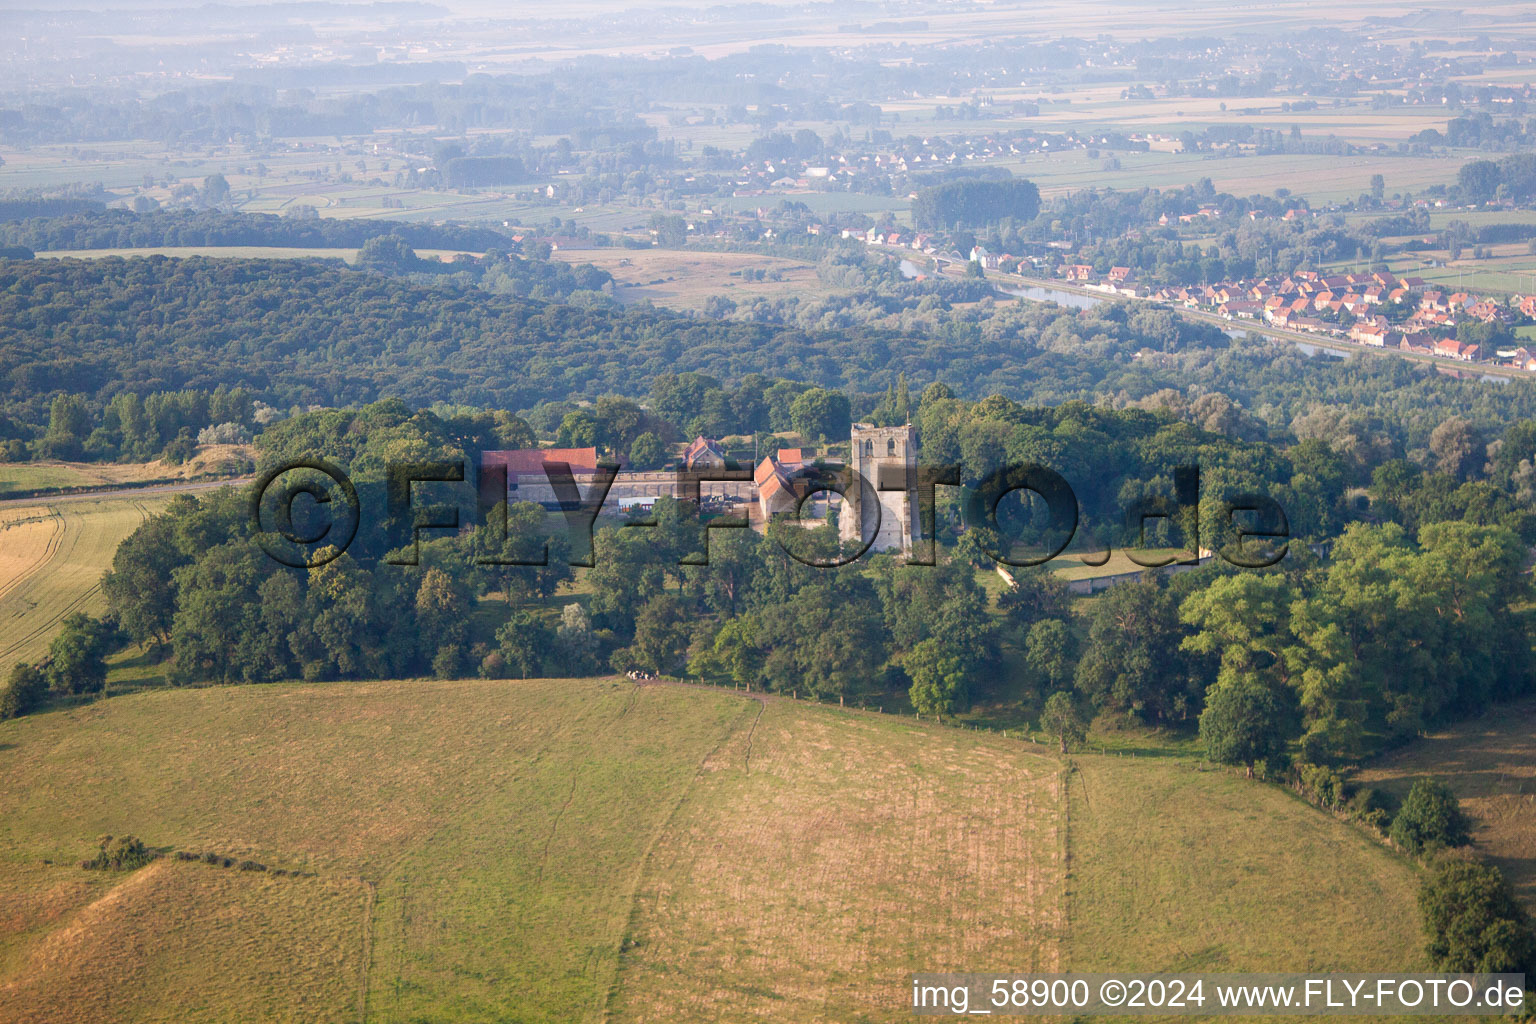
(700, 445)
(532, 460)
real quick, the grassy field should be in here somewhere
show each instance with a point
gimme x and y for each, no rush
(1072, 567)
(210, 460)
(1174, 868)
(51, 560)
(683, 279)
(592, 850)
(1491, 764)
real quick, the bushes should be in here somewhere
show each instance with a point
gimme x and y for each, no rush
(1471, 920)
(218, 860)
(1368, 807)
(127, 853)
(1320, 784)
(1430, 819)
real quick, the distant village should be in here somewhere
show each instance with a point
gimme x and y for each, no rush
(1375, 310)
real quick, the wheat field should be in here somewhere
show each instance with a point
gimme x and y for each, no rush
(52, 557)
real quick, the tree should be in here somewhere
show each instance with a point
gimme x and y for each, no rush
(736, 652)
(215, 190)
(128, 853)
(68, 424)
(819, 414)
(626, 573)
(574, 642)
(647, 452)
(670, 229)
(1051, 650)
(1244, 722)
(1132, 662)
(1378, 187)
(577, 430)
(661, 635)
(515, 551)
(974, 204)
(23, 690)
(1479, 179)
(442, 618)
(523, 641)
(938, 678)
(620, 422)
(1430, 818)
(386, 252)
(1472, 922)
(1062, 718)
(140, 587)
(76, 658)
(1035, 594)
(1243, 618)
(820, 630)
(1458, 448)
(942, 601)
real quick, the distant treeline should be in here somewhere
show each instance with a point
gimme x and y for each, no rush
(301, 333)
(479, 171)
(91, 226)
(1494, 233)
(17, 209)
(1513, 177)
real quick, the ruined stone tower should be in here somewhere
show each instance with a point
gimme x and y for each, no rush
(883, 457)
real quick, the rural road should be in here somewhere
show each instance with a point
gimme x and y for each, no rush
(127, 492)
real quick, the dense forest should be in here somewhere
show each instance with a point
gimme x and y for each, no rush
(302, 333)
(123, 229)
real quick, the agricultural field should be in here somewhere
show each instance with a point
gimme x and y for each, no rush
(680, 279)
(1175, 863)
(52, 556)
(559, 849)
(1491, 765)
(29, 477)
(1320, 178)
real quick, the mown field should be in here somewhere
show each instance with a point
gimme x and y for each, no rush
(681, 279)
(1490, 763)
(51, 560)
(1178, 866)
(595, 850)
(26, 477)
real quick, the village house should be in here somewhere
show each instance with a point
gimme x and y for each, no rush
(1240, 309)
(704, 453)
(1450, 348)
(1368, 334)
(778, 488)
